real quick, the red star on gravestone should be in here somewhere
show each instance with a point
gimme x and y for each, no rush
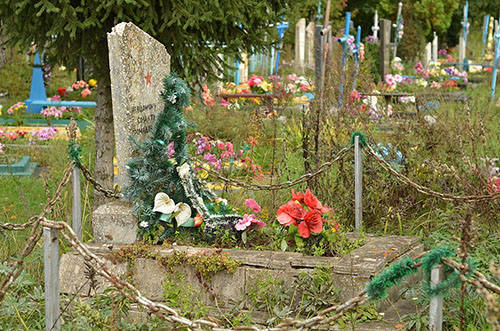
(148, 78)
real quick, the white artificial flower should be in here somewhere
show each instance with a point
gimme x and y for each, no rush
(431, 120)
(221, 200)
(184, 213)
(143, 224)
(200, 200)
(183, 170)
(164, 204)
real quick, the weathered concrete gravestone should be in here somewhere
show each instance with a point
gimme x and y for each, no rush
(310, 45)
(300, 44)
(138, 65)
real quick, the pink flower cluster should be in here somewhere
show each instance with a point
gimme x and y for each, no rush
(494, 185)
(214, 153)
(51, 112)
(45, 133)
(81, 84)
(249, 219)
(420, 70)
(18, 106)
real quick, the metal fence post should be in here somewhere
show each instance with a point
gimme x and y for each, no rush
(358, 185)
(436, 304)
(77, 203)
(51, 274)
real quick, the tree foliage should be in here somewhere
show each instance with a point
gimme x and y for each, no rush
(190, 29)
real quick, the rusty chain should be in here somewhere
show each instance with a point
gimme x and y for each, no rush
(97, 186)
(272, 187)
(425, 190)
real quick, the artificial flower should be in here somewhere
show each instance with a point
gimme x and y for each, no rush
(314, 204)
(143, 224)
(299, 196)
(313, 222)
(170, 150)
(183, 213)
(247, 221)
(253, 205)
(86, 92)
(198, 220)
(92, 82)
(290, 213)
(183, 170)
(164, 204)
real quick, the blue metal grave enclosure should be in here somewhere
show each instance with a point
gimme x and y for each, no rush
(38, 97)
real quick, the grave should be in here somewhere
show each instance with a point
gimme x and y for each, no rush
(23, 167)
(350, 273)
(300, 45)
(134, 70)
(138, 65)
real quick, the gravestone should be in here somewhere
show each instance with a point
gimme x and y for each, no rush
(461, 52)
(385, 47)
(310, 45)
(138, 65)
(428, 54)
(489, 43)
(435, 48)
(243, 68)
(300, 44)
(375, 27)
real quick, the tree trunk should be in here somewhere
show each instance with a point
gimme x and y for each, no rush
(104, 132)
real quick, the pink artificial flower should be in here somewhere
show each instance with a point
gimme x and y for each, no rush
(293, 77)
(398, 78)
(171, 150)
(229, 146)
(240, 152)
(221, 145)
(435, 85)
(226, 154)
(255, 80)
(253, 205)
(224, 103)
(247, 221)
(355, 95)
(86, 92)
(303, 87)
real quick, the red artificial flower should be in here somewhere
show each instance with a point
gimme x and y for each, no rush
(61, 91)
(314, 204)
(290, 213)
(299, 197)
(313, 222)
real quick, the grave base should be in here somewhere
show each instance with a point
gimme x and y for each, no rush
(115, 223)
(349, 273)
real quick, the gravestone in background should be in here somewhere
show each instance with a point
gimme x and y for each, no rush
(138, 64)
(300, 45)
(310, 45)
(428, 55)
(385, 47)
(435, 48)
